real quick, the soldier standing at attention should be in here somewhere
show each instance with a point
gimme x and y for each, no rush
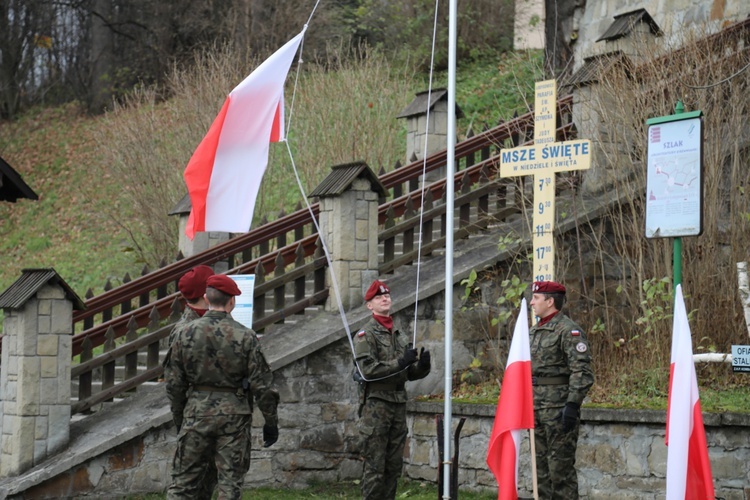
(217, 371)
(386, 360)
(561, 376)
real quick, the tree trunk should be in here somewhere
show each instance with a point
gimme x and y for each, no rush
(102, 45)
(241, 27)
(558, 27)
(18, 20)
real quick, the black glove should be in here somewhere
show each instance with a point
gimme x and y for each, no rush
(424, 358)
(569, 416)
(409, 357)
(270, 435)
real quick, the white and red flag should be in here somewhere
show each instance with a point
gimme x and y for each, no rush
(223, 175)
(515, 411)
(688, 466)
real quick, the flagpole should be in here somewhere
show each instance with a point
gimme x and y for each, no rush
(534, 484)
(449, 195)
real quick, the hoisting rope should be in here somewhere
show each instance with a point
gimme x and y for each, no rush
(334, 281)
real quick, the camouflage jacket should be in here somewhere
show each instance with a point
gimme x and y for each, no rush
(215, 351)
(378, 352)
(559, 349)
(188, 316)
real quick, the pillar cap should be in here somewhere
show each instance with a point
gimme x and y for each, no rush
(30, 282)
(341, 178)
(420, 105)
(183, 206)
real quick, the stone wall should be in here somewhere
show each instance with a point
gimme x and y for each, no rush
(673, 18)
(621, 454)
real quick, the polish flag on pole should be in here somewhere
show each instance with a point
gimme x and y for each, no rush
(223, 175)
(688, 466)
(515, 411)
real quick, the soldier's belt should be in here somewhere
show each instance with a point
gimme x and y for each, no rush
(377, 386)
(210, 388)
(563, 380)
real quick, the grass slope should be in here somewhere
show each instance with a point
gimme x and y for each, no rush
(53, 150)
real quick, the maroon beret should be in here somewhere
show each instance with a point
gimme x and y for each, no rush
(192, 285)
(223, 283)
(377, 288)
(547, 287)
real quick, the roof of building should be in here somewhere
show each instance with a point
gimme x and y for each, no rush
(594, 66)
(420, 103)
(183, 206)
(12, 185)
(624, 24)
(30, 282)
(342, 176)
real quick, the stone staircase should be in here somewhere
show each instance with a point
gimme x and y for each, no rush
(147, 408)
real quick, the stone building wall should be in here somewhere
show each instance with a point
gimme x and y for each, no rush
(673, 17)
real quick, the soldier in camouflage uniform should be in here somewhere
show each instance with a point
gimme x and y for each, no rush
(192, 287)
(385, 360)
(217, 371)
(561, 376)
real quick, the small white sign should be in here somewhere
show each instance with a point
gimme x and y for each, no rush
(243, 309)
(741, 358)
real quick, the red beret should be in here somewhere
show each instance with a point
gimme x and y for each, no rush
(192, 285)
(223, 283)
(547, 287)
(377, 288)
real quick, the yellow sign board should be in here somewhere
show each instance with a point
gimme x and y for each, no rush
(543, 160)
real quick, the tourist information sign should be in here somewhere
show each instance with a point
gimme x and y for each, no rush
(674, 176)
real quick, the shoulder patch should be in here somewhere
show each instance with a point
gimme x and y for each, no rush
(575, 333)
(581, 347)
(361, 333)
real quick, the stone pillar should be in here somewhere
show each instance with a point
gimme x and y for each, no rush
(349, 227)
(419, 132)
(202, 241)
(35, 377)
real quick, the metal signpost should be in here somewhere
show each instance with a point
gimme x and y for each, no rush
(674, 179)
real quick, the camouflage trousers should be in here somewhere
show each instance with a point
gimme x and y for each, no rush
(221, 443)
(555, 456)
(382, 429)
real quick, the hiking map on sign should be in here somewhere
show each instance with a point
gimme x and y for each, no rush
(674, 184)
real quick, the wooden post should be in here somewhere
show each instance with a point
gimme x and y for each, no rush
(543, 160)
